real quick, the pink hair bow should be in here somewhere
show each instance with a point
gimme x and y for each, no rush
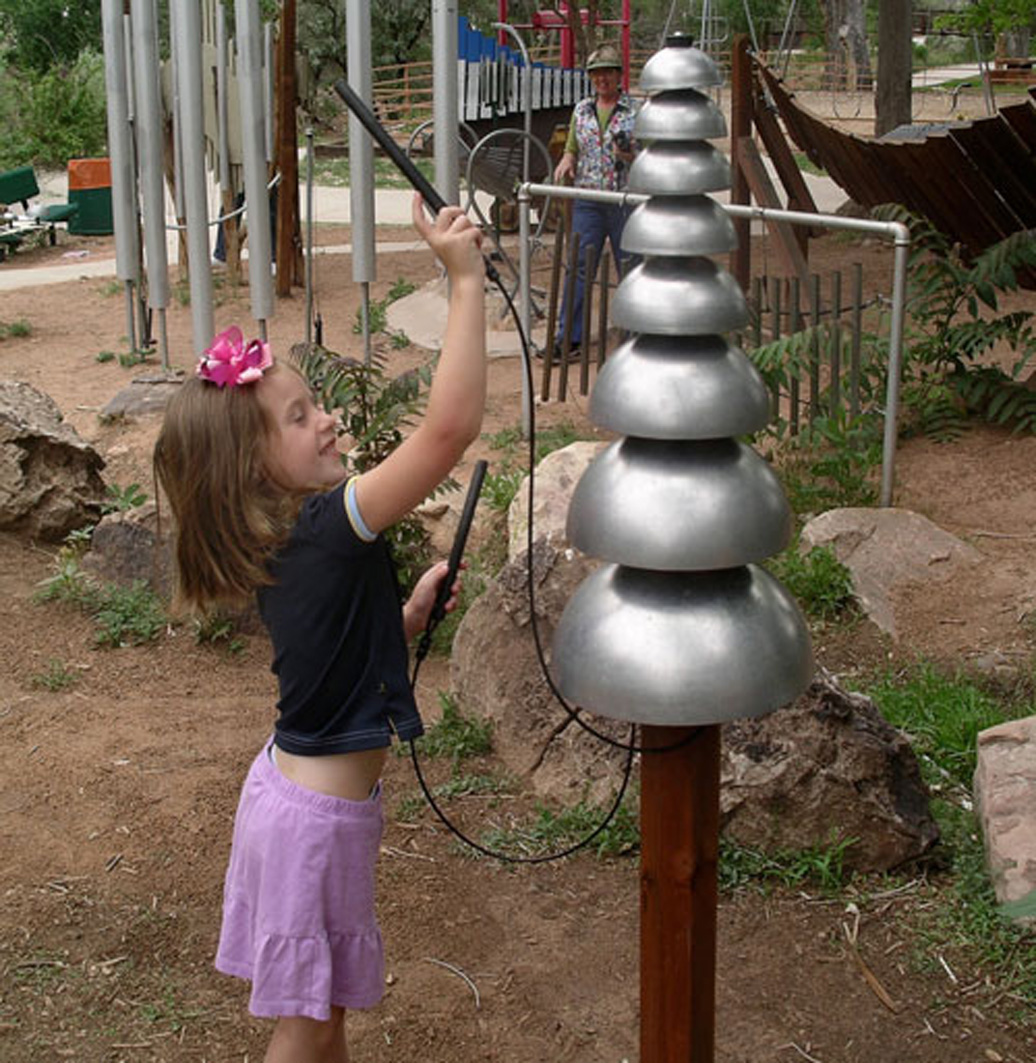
(229, 361)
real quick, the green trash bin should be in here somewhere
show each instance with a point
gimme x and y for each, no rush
(90, 186)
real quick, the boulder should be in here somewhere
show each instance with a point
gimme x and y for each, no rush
(885, 549)
(50, 479)
(1005, 801)
(127, 546)
(146, 395)
(827, 768)
(556, 477)
(496, 673)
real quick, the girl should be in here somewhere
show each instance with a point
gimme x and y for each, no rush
(254, 478)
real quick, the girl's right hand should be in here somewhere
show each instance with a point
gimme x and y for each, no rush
(452, 236)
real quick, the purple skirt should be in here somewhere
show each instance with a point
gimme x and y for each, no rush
(298, 903)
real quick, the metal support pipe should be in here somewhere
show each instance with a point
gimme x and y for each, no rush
(524, 200)
(192, 124)
(888, 230)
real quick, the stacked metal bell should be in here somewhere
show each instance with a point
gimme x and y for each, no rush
(681, 626)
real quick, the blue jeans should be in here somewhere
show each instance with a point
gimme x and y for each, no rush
(595, 223)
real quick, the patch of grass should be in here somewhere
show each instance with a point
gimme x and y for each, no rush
(820, 865)
(335, 172)
(56, 676)
(822, 585)
(967, 920)
(456, 736)
(130, 359)
(943, 715)
(413, 804)
(104, 356)
(553, 830)
(15, 329)
(111, 288)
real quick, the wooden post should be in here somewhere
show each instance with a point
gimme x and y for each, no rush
(892, 103)
(287, 155)
(740, 127)
(679, 824)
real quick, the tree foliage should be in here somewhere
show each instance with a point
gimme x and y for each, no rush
(40, 34)
(992, 16)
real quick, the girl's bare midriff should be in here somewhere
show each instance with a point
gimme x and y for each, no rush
(348, 775)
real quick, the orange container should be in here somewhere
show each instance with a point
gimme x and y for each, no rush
(89, 173)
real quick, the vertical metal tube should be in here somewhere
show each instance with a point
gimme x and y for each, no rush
(524, 206)
(151, 151)
(192, 124)
(888, 457)
(222, 104)
(444, 98)
(250, 80)
(361, 149)
(174, 64)
(268, 89)
(309, 235)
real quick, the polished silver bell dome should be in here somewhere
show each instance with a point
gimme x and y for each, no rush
(673, 168)
(679, 296)
(679, 387)
(685, 115)
(679, 225)
(681, 648)
(679, 66)
(678, 505)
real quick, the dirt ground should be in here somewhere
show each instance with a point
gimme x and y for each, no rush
(118, 792)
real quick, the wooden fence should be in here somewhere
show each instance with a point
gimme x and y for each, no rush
(826, 370)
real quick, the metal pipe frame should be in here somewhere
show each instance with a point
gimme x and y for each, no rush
(889, 230)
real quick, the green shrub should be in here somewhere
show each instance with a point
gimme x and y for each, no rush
(820, 582)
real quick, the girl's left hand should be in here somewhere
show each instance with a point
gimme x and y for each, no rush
(419, 606)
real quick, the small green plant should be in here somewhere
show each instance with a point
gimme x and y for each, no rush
(500, 488)
(217, 629)
(377, 313)
(820, 582)
(129, 359)
(15, 329)
(400, 341)
(459, 786)
(122, 499)
(456, 736)
(105, 356)
(127, 615)
(68, 582)
(400, 289)
(56, 676)
(111, 288)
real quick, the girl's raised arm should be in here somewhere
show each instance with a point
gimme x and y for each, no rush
(453, 416)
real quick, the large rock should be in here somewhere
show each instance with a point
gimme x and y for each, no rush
(50, 479)
(496, 673)
(131, 545)
(556, 477)
(885, 549)
(1005, 800)
(827, 768)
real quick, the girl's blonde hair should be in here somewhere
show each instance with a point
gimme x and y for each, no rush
(231, 517)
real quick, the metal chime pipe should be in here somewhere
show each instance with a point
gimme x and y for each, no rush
(889, 230)
(192, 125)
(445, 111)
(257, 200)
(151, 153)
(120, 150)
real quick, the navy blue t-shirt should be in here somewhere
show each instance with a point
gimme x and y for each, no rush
(340, 655)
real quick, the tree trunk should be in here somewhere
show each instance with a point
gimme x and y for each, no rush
(895, 55)
(845, 37)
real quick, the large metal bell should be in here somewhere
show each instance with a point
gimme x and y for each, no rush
(679, 387)
(672, 168)
(679, 225)
(684, 115)
(681, 649)
(679, 296)
(674, 506)
(679, 66)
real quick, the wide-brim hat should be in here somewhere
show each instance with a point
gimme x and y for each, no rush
(606, 57)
